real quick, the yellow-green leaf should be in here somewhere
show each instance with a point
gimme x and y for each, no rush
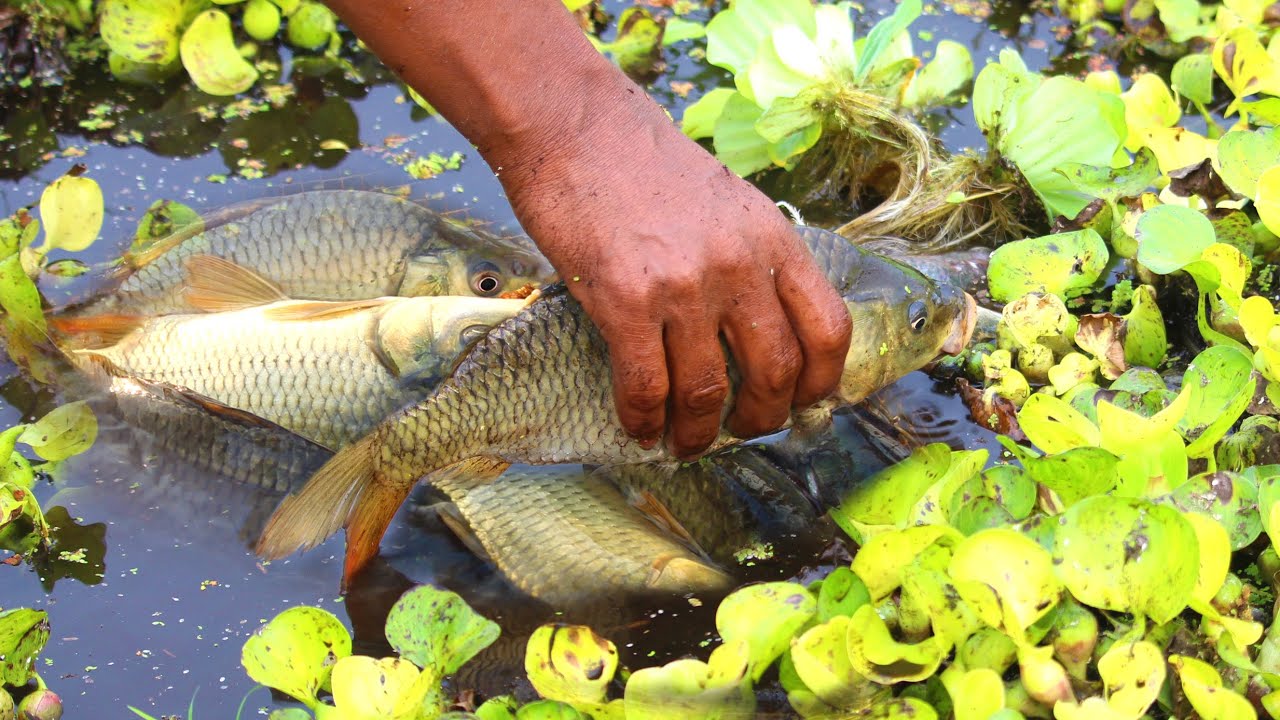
(71, 210)
(210, 55)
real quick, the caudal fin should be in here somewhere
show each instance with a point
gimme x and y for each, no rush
(345, 492)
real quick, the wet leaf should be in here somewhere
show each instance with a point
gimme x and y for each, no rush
(1034, 316)
(261, 20)
(931, 590)
(636, 46)
(690, 689)
(67, 430)
(821, 660)
(1148, 103)
(502, 707)
(1074, 369)
(437, 630)
(737, 143)
(734, 35)
(1112, 184)
(1054, 426)
(23, 633)
(946, 74)
(296, 651)
(1267, 200)
(876, 655)
(1215, 557)
(1127, 555)
(1244, 156)
(1192, 78)
(881, 561)
(1171, 237)
(882, 34)
(1066, 265)
(1010, 594)
(163, 219)
(369, 689)
(142, 31)
(210, 55)
(841, 593)
(887, 497)
(1133, 674)
(1227, 498)
(764, 616)
(701, 117)
(71, 210)
(1144, 338)
(1103, 335)
(976, 694)
(1221, 383)
(570, 663)
(311, 26)
(1204, 690)
(548, 710)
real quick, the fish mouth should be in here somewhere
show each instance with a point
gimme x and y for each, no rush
(962, 327)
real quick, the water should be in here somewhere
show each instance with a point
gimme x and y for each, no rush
(167, 593)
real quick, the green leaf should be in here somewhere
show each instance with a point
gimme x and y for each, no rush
(690, 689)
(502, 707)
(1227, 498)
(23, 633)
(976, 694)
(636, 42)
(1075, 474)
(71, 211)
(876, 655)
(1133, 674)
(701, 117)
(548, 710)
(1244, 156)
(787, 61)
(1144, 339)
(369, 689)
(296, 651)
(67, 430)
(679, 29)
(734, 35)
(998, 92)
(1148, 104)
(1222, 387)
(821, 659)
(437, 630)
(1066, 265)
(887, 497)
(950, 70)
(881, 561)
(163, 219)
(1192, 78)
(571, 664)
(1204, 690)
(142, 31)
(1054, 426)
(765, 616)
(1013, 593)
(311, 26)
(261, 20)
(1127, 555)
(210, 55)
(1171, 237)
(840, 594)
(883, 33)
(1268, 199)
(1110, 183)
(737, 143)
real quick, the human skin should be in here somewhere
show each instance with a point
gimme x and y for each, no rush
(666, 248)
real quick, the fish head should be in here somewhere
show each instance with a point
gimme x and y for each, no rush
(901, 321)
(468, 261)
(425, 337)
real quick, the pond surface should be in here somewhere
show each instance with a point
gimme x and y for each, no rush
(167, 593)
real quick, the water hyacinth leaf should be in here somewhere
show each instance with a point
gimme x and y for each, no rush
(787, 151)
(1192, 78)
(20, 301)
(841, 593)
(311, 26)
(946, 74)
(1226, 497)
(736, 141)
(163, 219)
(1267, 200)
(976, 694)
(23, 633)
(1148, 103)
(635, 48)
(874, 653)
(1034, 316)
(1023, 582)
(23, 527)
(570, 663)
(821, 660)
(903, 709)
(1159, 468)
(735, 35)
(8, 439)
(1103, 335)
(998, 90)
(365, 688)
(883, 33)
(765, 616)
(1171, 237)
(1112, 184)
(296, 651)
(701, 117)
(71, 211)
(436, 629)
(547, 710)
(1241, 62)
(1144, 338)
(142, 31)
(1127, 555)
(502, 707)
(1065, 264)
(1244, 155)
(1222, 385)
(261, 20)
(690, 689)
(1122, 431)
(1204, 690)
(67, 430)
(678, 29)
(881, 561)
(787, 61)
(932, 590)
(17, 472)
(1074, 369)
(1133, 673)
(789, 117)
(210, 55)
(929, 509)
(1054, 426)
(887, 497)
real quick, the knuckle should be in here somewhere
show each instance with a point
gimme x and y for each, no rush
(705, 397)
(779, 377)
(645, 398)
(832, 338)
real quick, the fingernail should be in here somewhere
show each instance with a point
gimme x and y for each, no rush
(649, 442)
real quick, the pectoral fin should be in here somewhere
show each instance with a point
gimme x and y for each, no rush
(216, 284)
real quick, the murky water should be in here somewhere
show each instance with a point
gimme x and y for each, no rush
(168, 592)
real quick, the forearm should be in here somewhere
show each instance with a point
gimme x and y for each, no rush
(510, 75)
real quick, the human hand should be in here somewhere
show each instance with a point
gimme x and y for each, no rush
(667, 249)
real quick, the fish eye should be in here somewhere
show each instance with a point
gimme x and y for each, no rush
(917, 316)
(485, 280)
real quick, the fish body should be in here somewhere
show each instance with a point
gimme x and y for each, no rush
(335, 245)
(537, 389)
(326, 371)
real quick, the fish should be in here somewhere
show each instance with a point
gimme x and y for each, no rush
(537, 389)
(331, 245)
(327, 371)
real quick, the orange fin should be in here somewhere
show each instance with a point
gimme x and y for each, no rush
(322, 309)
(216, 284)
(96, 331)
(672, 573)
(657, 512)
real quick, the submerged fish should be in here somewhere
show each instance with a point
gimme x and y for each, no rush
(327, 371)
(335, 245)
(537, 390)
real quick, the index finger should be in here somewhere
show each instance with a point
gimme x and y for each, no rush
(640, 383)
(822, 325)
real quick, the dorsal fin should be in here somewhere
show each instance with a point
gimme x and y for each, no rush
(96, 331)
(216, 284)
(322, 309)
